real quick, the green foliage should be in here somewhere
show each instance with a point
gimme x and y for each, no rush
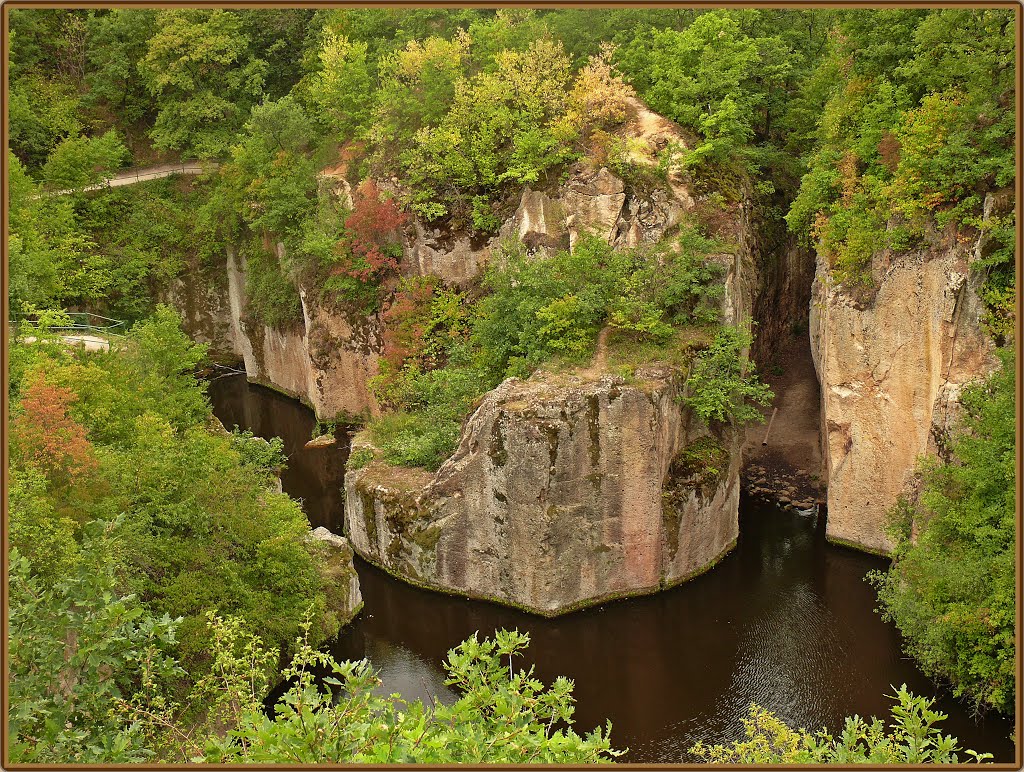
(502, 127)
(203, 527)
(431, 405)
(950, 589)
(81, 161)
(539, 308)
(342, 90)
(47, 250)
(502, 715)
(265, 456)
(43, 112)
(913, 136)
(271, 167)
(914, 738)
(117, 44)
(359, 458)
(721, 385)
(701, 77)
(102, 250)
(272, 298)
(203, 77)
(77, 650)
(441, 353)
(144, 234)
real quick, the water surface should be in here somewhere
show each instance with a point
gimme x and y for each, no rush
(786, 621)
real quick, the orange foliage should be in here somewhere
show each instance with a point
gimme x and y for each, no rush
(405, 321)
(46, 437)
(848, 175)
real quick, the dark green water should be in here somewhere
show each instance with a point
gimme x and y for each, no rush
(786, 621)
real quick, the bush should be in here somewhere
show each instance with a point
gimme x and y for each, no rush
(914, 739)
(950, 589)
(721, 385)
(501, 716)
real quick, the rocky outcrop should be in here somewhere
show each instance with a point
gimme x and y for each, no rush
(344, 596)
(567, 490)
(890, 372)
(327, 359)
(564, 491)
(201, 298)
(590, 200)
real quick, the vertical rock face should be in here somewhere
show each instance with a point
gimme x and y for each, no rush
(567, 490)
(564, 491)
(345, 596)
(890, 374)
(326, 359)
(205, 308)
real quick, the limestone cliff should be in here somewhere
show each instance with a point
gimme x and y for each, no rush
(326, 359)
(564, 491)
(570, 488)
(566, 488)
(890, 371)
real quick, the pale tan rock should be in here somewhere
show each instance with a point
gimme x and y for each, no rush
(562, 493)
(890, 374)
(327, 359)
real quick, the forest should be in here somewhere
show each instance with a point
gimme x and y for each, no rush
(160, 583)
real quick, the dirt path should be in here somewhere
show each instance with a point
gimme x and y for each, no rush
(788, 467)
(135, 176)
(599, 364)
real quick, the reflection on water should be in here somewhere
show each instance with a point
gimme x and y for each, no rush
(786, 621)
(313, 475)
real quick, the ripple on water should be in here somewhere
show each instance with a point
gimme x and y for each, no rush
(785, 621)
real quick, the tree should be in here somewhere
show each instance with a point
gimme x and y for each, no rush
(343, 89)
(272, 169)
(45, 437)
(78, 162)
(117, 43)
(204, 77)
(721, 385)
(702, 78)
(950, 589)
(76, 651)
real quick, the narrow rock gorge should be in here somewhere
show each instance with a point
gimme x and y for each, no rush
(569, 488)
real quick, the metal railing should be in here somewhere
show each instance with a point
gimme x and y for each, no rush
(80, 321)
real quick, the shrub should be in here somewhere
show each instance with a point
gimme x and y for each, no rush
(502, 715)
(373, 244)
(359, 458)
(915, 738)
(950, 589)
(721, 385)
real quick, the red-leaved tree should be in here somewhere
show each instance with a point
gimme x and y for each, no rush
(45, 436)
(373, 243)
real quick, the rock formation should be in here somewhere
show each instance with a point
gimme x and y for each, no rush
(345, 597)
(890, 372)
(564, 491)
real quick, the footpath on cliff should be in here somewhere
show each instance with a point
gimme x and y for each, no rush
(788, 468)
